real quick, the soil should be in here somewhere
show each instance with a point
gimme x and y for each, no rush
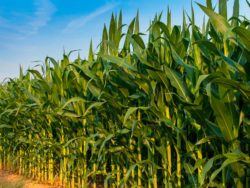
(11, 180)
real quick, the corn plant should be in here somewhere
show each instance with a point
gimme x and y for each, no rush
(172, 112)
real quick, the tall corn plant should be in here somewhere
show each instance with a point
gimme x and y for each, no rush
(170, 113)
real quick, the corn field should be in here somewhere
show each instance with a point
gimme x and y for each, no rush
(170, 112)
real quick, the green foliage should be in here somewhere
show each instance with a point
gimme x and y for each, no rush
(172, 112)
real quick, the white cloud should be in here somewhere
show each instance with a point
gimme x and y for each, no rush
(80, 22)
(28, 24)
(43, 14)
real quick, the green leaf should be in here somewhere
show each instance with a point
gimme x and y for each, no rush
(121, 62)
(128, 36)
(178, 83)
(224, 165)
(190, 70)
(213, 129)
(123, 131)
(190, 171)
(104, 45)
(243, 88)
(96, 91)
(248, 3)
(109, 137)
(207, 47)
(69, 114)
(2, 126)
(20, 72)
(207, 167)
(73, 100)
(209, 4)
(199, 81)
(169, 20)
(219, 22)
(205, 140)
(93, 105)
(162, 26)
(128, 174)
(84, 68)
(36, 73)
(138, 40)
(244, 35)
(223, 8)
(223, 116)
(236, 12)
(72, 140)
(130, 111)
(137, 25)
(91, 53)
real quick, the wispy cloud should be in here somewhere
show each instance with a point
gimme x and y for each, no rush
(28, 24)
(42, 15)
(81, 21)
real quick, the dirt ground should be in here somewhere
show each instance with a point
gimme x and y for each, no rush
(10, 180)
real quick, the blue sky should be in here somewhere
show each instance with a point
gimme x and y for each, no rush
(30, 30)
